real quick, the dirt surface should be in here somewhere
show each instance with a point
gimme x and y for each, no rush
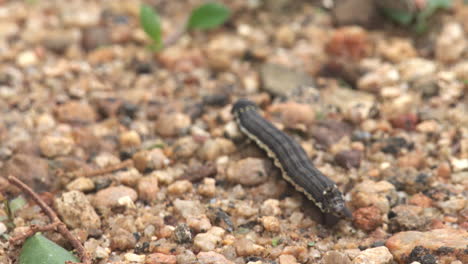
(379, 109)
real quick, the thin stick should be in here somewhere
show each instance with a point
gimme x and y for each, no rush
(56, 223)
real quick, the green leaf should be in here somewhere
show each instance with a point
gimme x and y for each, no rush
(16, 204)
(431, 7)
(40, 250)
(208, 16)
(311, 244)
(151, 24)
(276, 241)
(399, 16)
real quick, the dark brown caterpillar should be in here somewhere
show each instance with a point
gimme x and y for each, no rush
(291, 159)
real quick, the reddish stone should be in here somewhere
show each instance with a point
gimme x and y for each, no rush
(367, 218)
(159, 258)
(405, 121)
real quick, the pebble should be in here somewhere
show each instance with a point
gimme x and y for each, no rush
(407, 217)
(129, 177)
(3, 228)
(355, 12)
(76, 112)
(349, 158)
(329, 132)
(81, 184)
(222, 50)
(27, 58)
(373, 81)
(149, 160)
(285, 36)
(131, 257)
(182, 234)
(184, 147)
(299, 252)
(453, 205)
(270, 207)
(377, 255)
(454, 241)
(53, 146)
(180, 187)
(335, 257)
(188, 208)
(187, 256)
(172, 124)
(287, 259)
(214, 148)
(414, 69)
(367, 218)
(459, 164)
(280, 80)
(249, 171)
(95, 37)
(381, 194)
(111, 196)
(350, 42)
(355, 105)
(271, 224)
(208, 187)
(129, 140)
(450, 43)
(212, 257)
(160, 258)
(31, 170)
(208, 241)
(245, 247)
(405, 121)
(76, 211)
(58, 41)
(420, 200)
(293, 115)
(148, 188)
(397, 49)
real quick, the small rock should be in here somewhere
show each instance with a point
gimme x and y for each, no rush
(3, 228)
(349, 159)
(249, 171)
(209, 240)
(76, 211)
(409, 180)
(335, 257)
(129, 177)
(453, 205)
(187, 257)
(188, 209)
(185, 147)
(397, 49)
(407, 217)
(381, 194)
(27, 58)
(245, 247)
(420, 200)
(81, 184)
(405, 121)
(208, 187)
(129, 140)
(160, 258)
(270, 207)
(367, 218)
(286, 36)
(148, 160)
(180, 187)
(280, 80)
(459, 164)
(148, 188)
(110, 197)
(131, 257)
(350, 42)
(354, 104)
(76, 112)
(355, 12)
(212, 257)
(222, 50)
(287, 259)
(58, 41)
(453, 241)
(451, 43)
(53, 146)
(293, 115)
(271, 224)
(95, 37)
(414, 69)
(172, 124)
(31, 170)
(182, 234)
(428, 126)
(385, 75)
(377, 255)
(214, 148)
(328, 132)
(299, 252)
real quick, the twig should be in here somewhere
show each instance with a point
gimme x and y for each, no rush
(55, 225)
(109, 169)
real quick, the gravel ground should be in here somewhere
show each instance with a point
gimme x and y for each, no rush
(379, 109)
